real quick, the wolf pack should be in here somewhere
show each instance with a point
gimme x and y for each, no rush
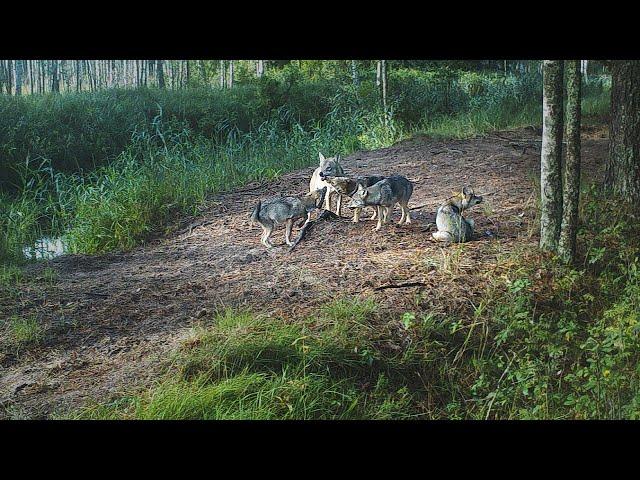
(378, 192)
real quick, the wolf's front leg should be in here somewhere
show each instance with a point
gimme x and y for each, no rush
(339, 207)
(356, 215)
(327, 200)
(287, 232)
(380, 211)
(375, 213)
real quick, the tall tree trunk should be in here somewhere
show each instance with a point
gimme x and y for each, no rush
(260, 68)
(383, 70)
(571, 184)
(160, 73)
(551, 155)
(55, 79)
(354, 73)
(19, 72)
(230, 79)
(222, 67)
(78, 76)
(203, 72)
(378, 73)
(31, 77)
(585, 66)
(623, 166)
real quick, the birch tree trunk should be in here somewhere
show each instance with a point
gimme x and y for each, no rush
(222, 68)
(571, 184)
(551, 155)
(354, 73)
(19, 72)
(260, 68)
(383, 70)
(378, 73)
(55, 80)
(230, 79)
(623, 166)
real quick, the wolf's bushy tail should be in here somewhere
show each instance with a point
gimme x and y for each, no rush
(256, 212)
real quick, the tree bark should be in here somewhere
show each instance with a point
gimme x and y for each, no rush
(623, 165)
(354, 73)
(378, 73)
(230, 79)
(55, 79)
(551, 156)
(19, 72)
(260, 68)
(160, 73)
(383, 71)
(571, 184)
(222, 74)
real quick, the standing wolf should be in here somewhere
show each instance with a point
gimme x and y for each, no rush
(349, 185)
(384, 195)
(328, 166)
(452, 226)
(277, 210)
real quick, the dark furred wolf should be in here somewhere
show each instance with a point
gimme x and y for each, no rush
(349, 185)
(287, 210)
(384, 195)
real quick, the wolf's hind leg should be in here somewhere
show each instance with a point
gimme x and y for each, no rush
(327, 200)
(375, 213)
(339, 207)
(442, 236)
(266, 233)
(405, 213)
(380, 217)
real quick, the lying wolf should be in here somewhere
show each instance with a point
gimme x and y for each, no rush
(349, 185)
(328, 166)
(384, 195)
(452, 226)
(287, 210)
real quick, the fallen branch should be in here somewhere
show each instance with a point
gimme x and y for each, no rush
(401, 285)
(325, 215)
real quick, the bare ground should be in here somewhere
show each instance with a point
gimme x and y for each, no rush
(112, 320)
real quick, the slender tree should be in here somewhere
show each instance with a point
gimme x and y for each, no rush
(571, 183)
(230, 78)
(222, 74)
(19, 65)
(160, 73)
(55, 77)
(354, 73)
(623, 166)
(551, 155)
(383, 74)
(259, 68)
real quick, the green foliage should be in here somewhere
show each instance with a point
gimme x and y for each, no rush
(547, 341)
(24, 330)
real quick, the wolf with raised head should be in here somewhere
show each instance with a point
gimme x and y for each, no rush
(384, 195)
(452, 226)
(328, 166)
(277, 210)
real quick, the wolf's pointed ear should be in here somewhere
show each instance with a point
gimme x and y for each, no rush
(321, 156)
(467, 191)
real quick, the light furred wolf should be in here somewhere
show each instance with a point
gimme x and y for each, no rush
(328, 166)
(349, 185)
(287, 210)
(452, 226)
(384, 195)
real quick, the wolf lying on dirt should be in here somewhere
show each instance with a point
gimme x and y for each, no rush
(277, 210)
(349, 185)
(328, 166)
(384, 195)
(452, 226)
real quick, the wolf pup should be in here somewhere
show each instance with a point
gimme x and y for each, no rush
(384, 195)
(328, 166)
(349, 185)
(452, 226)
(277, 210)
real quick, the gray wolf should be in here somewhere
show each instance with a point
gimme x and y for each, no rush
(452, 226)
(384, 195)
(277, 210)
(349, 185)
(328, 166)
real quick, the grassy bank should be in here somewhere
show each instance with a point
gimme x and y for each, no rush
(546, 342)
(190, 144)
